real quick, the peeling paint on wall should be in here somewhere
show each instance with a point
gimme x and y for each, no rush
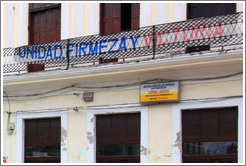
(90, 137)
(177, 141)
(143, 150)
(77, 154)
(157, 157)
(63, 138)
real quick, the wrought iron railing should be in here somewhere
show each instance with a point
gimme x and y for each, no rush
(185, 36)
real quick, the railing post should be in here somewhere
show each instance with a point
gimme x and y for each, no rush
(68, 56)
(153, 42)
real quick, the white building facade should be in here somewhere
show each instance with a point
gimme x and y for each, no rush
(92, 83)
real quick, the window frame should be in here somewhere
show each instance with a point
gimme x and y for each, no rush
(128, 108)
(20, 140)
(134, 16)
(41, 9)
(177, 123)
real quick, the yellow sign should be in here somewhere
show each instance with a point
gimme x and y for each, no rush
(159, 92)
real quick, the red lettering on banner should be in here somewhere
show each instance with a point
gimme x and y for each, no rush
(156, 35)
(184, 33)
(147, 43)
(200, 30)
(176, 33)
(209, 30)
(218, 30)
(161, 33)
(150, 39)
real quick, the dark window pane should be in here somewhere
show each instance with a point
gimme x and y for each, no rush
(196, 10)
(118, 127)
(55, 130)
(31, 134)
(42, 151)
(103, 125)
(210, 148)
(191, 123)
(133, 132)
(126, 16)
(209, 123)
(118, 150)
(43, 130)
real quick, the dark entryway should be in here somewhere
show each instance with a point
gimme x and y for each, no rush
(210, 135)
(118, 138)
(42, 140)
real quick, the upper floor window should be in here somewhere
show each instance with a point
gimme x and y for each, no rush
(44, 22)
(116, 17)
(195, 10)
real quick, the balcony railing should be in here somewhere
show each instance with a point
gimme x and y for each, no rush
(182, 37)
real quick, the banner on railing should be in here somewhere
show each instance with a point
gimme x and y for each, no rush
(115, 45)
(213, 32)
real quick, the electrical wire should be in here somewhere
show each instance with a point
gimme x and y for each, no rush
(76, 87)
(100, 107)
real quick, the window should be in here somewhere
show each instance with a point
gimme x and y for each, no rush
(116, 17)
(118, 138)
(42, 140)
(210, 135)
(44, 26)
(44, 23)
(195, 10)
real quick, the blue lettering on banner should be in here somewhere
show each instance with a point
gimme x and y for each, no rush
(110, 46)
(134, 42)
(57, 57)
(115, 41)
(21, 56)
(82, 48)
(39, 48)
(49, 53)
(122, 44)
(69, 50)
(30, 51)
(76, 53)
(102, 46)
(91, 49)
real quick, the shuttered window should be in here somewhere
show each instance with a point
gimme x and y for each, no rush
(118, 138)
(116, 17)
(210, 135)
(44, 23)
(42, 140)
(44, 26)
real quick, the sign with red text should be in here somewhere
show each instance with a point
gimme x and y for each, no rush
(159, 92)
